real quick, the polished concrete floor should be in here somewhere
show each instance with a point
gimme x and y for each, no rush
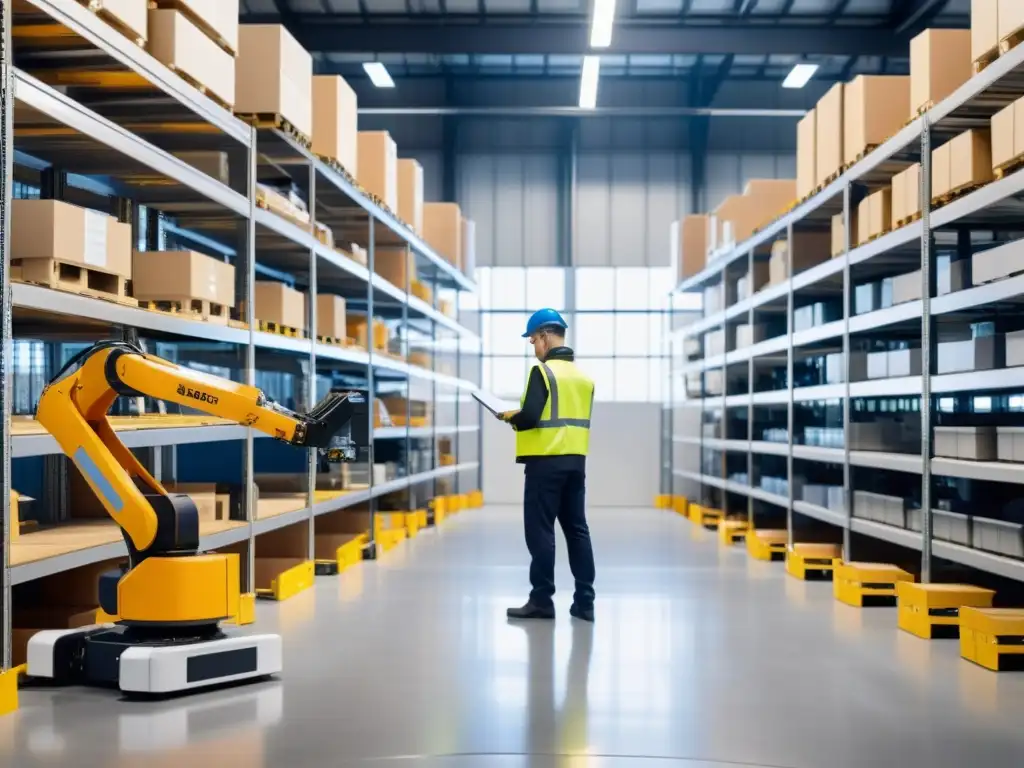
(700, 658)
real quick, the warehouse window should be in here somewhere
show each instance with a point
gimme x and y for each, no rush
(618, 321)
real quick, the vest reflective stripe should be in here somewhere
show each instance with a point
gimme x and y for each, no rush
(564, 426)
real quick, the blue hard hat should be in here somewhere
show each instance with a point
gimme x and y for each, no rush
(544, 318)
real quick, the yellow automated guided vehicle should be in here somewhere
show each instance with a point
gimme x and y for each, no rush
(170, 599)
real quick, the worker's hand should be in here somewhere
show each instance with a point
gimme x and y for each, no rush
(507, 415)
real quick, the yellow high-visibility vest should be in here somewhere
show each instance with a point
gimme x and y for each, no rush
(564, 427)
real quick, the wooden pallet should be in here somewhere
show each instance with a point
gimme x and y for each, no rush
(862, 154)
(1011, 166)
(186, 11)
(332, 341)
(277, 122)
(202, 88)
(111, 20)
(240, 324)
(72, 278)
(338, 168)
(954, 194)
(907, 220)
(1011, 41)
(927, 106)
(192, 309)
(875, 236)
(983, 61)
(280, 330)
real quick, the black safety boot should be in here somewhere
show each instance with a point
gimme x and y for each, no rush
(530, 611)
(584, 614)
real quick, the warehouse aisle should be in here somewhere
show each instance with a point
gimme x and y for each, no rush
(700, 658)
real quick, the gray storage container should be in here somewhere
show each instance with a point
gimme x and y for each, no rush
(915, 521)
(998, 263)
(980, 354)
(951, 526)
(905, 362)
(906, 287)
(1014, 349)
(999, 536)
(878, 365)
(977, 443)
(945, 441)
(1010, 443)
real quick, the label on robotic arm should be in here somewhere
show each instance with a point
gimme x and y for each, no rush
(198, 395)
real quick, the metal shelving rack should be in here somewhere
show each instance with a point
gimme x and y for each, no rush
(204, 204)
(911, 247)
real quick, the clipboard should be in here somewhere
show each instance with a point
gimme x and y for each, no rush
(495, 405)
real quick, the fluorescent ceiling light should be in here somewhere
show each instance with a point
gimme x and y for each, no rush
(800, 76)
(588, 81)
(378, 74)
(601, 24)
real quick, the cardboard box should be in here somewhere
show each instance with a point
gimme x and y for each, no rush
(131, 14)
(355, 326)
(277, 303)
(774, 194)
(906, 194)
(50, 229)
(942, 159)
(970, 159)
(330, 316)
(880, 211)
(410, 193)
(838, 233)
(829, 133)
(809, 249)
(940, 62)
(468, 247)
(378, 166)
(689, 238)
(875, 108)
(1011, 17)
(747, 335)
(29, 622)
(1004, 147)
(806, 155)
(217, 19)
(274, 75)
(442, 229)
(182, 276)
(777, 271)
(178, 43)
(985, 27)
(396, 265)
(335, 122)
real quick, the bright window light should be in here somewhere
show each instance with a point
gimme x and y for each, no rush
(601, 25)
(378, 74)
(588, 81)
(800, 75)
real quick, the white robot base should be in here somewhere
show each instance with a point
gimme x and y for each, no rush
(106, 655)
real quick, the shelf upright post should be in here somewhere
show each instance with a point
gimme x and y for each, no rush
(408, 377)
(928, 338)
(790, 408)
(723, 456)
(434, 459)
(311, 398)
(6, 332)
(371, 385)
(750, 392)
(245, 288)
(847, 288)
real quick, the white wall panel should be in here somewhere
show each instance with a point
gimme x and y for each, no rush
(593, 209)
(628, 235)
(433, 175)
(513, 200)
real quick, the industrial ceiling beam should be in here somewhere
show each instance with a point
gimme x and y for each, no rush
(913, 16)
(571, 37)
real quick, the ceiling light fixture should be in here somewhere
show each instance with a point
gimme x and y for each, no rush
(601, 24)
(378, 74)
(800, 75)
(588, 81)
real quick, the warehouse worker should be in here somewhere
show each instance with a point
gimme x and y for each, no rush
(552, 437)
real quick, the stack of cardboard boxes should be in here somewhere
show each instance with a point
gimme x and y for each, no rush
(199, 40)
(993, 22)
(274, 76)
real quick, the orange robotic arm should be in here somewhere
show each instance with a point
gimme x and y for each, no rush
(73, 408)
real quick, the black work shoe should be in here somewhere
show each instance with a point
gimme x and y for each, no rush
(530, 611)
(584, 614)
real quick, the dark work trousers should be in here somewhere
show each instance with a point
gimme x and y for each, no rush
(553, 492)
